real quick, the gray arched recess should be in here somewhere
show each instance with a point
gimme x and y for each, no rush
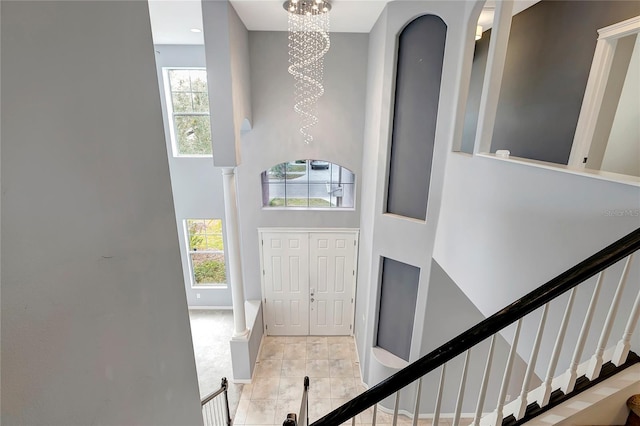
(419, 71)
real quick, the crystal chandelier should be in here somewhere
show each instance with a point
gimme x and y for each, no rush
(308, 43)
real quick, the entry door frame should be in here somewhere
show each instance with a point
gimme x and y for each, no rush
(356, 234)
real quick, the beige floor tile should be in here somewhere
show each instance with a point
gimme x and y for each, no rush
(265, 388)
(317, 351)
(342, 388)
(319, 388)
(246, 391)
(260, 412)
(296, 339)
(319, 408)
(340, 368)
(318, 367)
(272, 350)
(291, 388)
(269, 368)
(241, 412)
(284, 407)
(316, 339)
(339, 351)
(294, 368)
(295, 351)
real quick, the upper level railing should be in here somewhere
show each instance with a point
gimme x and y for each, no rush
(302, 418)
(215, 406)
(488, 329)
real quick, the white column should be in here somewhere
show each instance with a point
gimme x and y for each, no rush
(232, 244)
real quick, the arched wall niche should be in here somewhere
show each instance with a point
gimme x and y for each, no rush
(419, 62)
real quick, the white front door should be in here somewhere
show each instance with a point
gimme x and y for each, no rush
(331, 278)
(309, 281)
(286, 283)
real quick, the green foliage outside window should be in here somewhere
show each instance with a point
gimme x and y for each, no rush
(190, 104)
(206, 250)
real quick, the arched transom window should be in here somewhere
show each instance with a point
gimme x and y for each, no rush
(308, 184)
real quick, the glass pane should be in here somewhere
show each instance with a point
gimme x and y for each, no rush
(179, 80)
(193, 134)
(201, 101)
(181, 102)
(348, 196)
(319, 195)
(275, 195)
(277, 172)
(297, 192)
(199, 80)
(208, 268)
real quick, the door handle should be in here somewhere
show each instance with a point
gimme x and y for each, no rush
(312, 300)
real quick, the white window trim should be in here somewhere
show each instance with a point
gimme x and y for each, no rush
(170, 113)
(192, 276)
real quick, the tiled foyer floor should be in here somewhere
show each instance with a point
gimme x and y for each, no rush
(334, 377)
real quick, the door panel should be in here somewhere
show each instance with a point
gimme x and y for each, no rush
(332, 269)
(286, 283)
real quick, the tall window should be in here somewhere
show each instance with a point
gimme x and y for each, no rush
(206, 252)
(310, 184)
(188, 104)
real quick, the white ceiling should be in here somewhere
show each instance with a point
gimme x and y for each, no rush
(172, 20)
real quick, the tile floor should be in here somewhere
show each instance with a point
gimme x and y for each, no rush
(334, 377)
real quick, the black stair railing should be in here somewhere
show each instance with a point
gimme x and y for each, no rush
(512, 313)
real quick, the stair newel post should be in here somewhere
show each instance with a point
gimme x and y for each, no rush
(396, 406)
(485, 383)
(436, 411)
(553, 363)
(507, 373)
(569, 381)
(595, 365)
(622, 348)
(523, 400)
(416, 410)
(463, 383)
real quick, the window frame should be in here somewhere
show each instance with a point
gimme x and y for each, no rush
(308, 161)
(171, 114)
(190, 252)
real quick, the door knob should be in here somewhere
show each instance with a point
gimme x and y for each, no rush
(312, 300)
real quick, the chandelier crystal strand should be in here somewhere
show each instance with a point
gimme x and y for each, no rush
(308, 44)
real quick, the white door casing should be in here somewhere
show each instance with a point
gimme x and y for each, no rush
(308, 281)
(286, 272)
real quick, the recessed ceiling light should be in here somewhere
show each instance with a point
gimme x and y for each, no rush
(196, 30)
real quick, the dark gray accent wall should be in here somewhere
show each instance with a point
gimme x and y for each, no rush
(418, 75)
(475, 91)
(550, 51)
(398, 295)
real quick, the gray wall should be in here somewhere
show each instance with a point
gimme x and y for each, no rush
(196, 183)
(226, 41)
(548, 60)
(387, 235)
(475, 91)
(418, 75)
(398, 291)
(95, 328)
(274, 136)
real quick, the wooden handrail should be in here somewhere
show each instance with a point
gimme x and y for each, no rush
(487, 328)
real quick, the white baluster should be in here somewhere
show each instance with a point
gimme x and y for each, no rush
(205, 415)
(463, 382)
(522, 401)
(436, 412)
(507, 374)
(595, 365)
(353, 421)
(622, 348)
(553, 363)
(395, 409)
(375, 413)
(569, 381)
(416, 410)
(485, 383)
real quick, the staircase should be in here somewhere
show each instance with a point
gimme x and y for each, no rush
(556, 387)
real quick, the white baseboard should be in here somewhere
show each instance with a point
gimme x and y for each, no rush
(216, 308)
